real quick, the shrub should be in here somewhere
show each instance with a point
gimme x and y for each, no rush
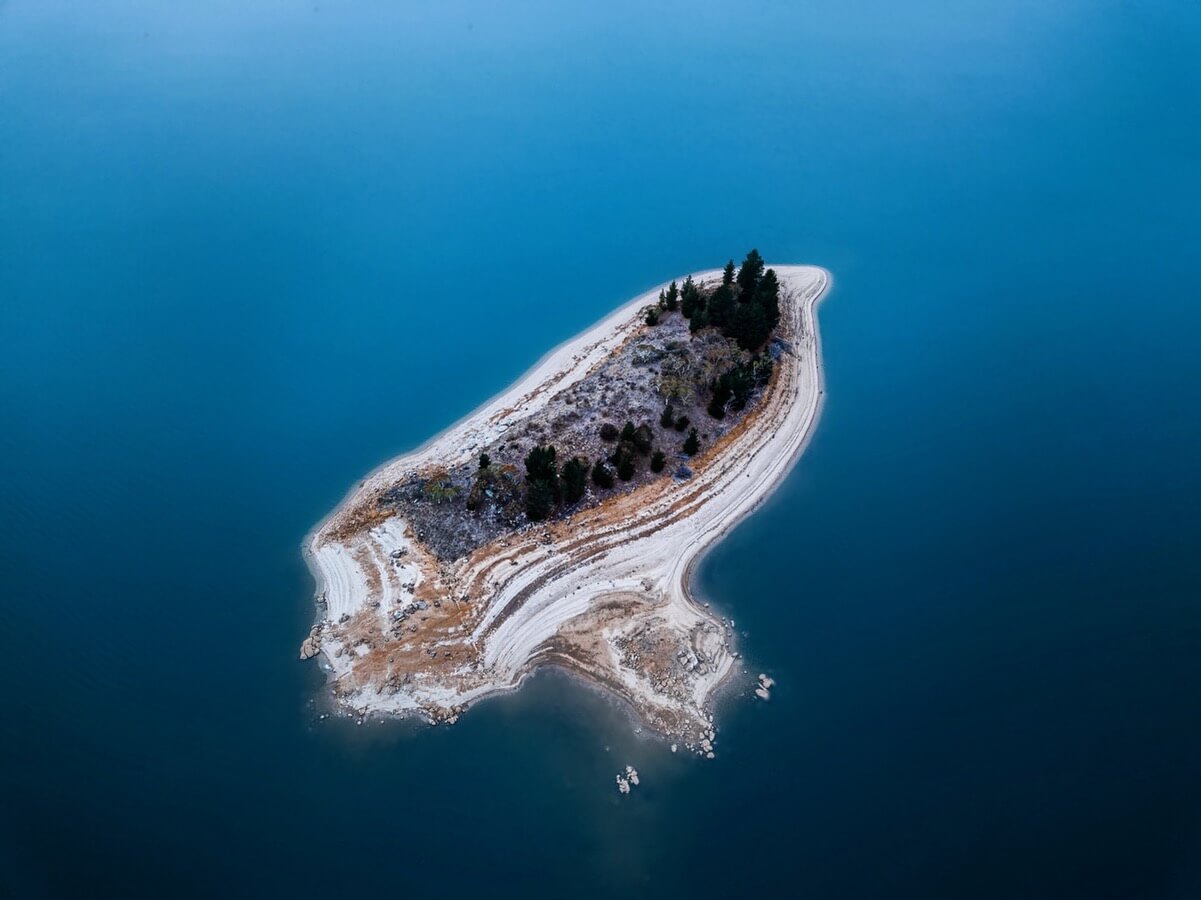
(608, 432)
(658, 461)
(652, 316)
(681, 423)
(485, 461)
(668, 418)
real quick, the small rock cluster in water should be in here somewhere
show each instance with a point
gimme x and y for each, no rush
(624, 782)
(763, 692)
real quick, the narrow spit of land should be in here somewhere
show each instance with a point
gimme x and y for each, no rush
(453, 571)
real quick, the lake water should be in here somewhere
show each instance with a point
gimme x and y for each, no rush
(248, 251)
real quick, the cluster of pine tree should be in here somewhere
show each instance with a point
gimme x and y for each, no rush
(546, 487)
(745, 306)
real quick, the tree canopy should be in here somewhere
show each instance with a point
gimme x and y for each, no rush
(750, 273)
(692, 443)
(575, 478)
(543, 488)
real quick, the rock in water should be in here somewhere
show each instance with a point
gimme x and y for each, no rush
(309, 648)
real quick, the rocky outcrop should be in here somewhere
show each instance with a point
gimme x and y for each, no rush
(311, 645)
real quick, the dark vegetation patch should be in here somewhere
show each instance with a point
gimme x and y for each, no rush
(687, 377)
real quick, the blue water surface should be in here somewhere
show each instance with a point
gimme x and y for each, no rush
(248, 251)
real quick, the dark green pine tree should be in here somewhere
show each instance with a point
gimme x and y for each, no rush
(692, 443)
(543, 489)
(540, 464)
(539, 500)
(575, 478)
(767, 296)
(690, 298)
(625, 466)
(672, 300)
(658, 461)
(727, 274)
(750, 273)
(602, 475)
(721, 306)
(721, 396)
(749, 326)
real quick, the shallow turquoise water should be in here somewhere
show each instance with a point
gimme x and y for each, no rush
(246, 254)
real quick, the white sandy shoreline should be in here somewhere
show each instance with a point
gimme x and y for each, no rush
(562, 609)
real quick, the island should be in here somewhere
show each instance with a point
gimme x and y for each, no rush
(558, 525)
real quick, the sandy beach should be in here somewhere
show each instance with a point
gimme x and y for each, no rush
(603, 592)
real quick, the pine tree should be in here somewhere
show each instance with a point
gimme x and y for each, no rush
(575, 478)
(692, 443)
(727, 274)
(658, 461)
(690, 298)
(539, 500)
(721, 306)
(540, 464)
(544, 488)
(767, 296)
(625, 466)
(750, 273)
(485, 461)
(721, 396)
(750, 326)
(672, 300)
(668, 418)
(602, 476)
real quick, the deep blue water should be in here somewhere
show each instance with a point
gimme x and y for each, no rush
(250, 250)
